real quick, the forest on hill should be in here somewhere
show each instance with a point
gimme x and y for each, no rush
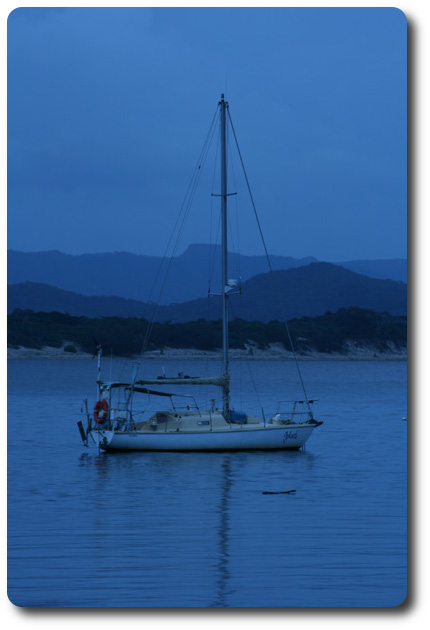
(125, 336)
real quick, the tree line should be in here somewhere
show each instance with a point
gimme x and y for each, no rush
(126, 336)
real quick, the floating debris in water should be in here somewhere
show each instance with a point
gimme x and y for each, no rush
(281, 492)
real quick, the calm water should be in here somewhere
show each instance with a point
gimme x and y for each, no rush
(195, 530)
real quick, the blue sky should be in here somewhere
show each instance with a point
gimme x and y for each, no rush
(108, 110)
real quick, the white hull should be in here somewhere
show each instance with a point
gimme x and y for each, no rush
(263, 438)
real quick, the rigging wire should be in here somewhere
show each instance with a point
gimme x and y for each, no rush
(212, 254)
(269, 263)
(248, 365)
(234, 244)
(237, 217)
(212, 261)
(184, 210)
(211, 270)
(187, 193)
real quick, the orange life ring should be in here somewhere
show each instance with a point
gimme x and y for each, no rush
(101, 411)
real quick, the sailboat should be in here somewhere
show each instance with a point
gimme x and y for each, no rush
(119, 423)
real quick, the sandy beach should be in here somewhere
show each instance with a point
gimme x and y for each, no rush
(275, 352)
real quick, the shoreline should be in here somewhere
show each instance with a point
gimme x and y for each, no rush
(275, 352)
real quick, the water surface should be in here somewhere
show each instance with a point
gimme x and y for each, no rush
(195, 530)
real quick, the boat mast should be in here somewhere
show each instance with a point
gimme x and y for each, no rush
(224, 279)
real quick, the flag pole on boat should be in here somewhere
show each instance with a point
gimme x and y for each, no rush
(99, 367)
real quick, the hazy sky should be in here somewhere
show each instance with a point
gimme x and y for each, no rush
(108, 110)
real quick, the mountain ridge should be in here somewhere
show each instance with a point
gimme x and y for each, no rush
(309, 290)
(131, 276)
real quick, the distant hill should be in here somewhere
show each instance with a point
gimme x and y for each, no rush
(132, 276)
(311, 290)
(40, 297)
(394, 269)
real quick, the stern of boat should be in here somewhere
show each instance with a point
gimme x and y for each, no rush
(102, 438)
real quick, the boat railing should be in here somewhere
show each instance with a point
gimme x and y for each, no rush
(296, 408)
(190, 405)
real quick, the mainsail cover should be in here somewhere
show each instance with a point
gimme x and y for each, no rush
(218, 381)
